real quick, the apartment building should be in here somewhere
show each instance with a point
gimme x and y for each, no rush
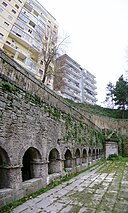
(27, 30)
(88, 87)
(73, 82)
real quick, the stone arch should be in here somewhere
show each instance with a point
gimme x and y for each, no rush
(31, 164)
(89, 155)
(22, 149)
(77, 155)
(93, 154)
(84, 157)
(97, 153)
(68, 159)
(89, 152)
(100, 153)
(54, 161)
(4, 171)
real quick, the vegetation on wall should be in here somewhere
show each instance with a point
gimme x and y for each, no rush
(75, 130)
(114, 136)
(98, 110)
(80, 132)
(7, 86)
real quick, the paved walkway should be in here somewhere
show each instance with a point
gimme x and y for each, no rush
(103, 189)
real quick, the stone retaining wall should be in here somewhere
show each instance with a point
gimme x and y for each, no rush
(33, 151)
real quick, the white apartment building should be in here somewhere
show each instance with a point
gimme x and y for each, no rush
(26, 28)
(88, 87)
(75, 83)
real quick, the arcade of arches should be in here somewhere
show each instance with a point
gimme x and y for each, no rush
(58, 163)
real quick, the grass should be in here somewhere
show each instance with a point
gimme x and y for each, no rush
(116, 166)
(98, 110)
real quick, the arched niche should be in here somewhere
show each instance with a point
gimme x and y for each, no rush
(84, 157)
(54, 161)
(68, 159)
(89, 155)
(93, 154)
(97, 153)
(77, 155)
(4, 171)
(30, 161)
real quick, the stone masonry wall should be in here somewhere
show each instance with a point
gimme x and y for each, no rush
(109, 123)
(33, 149)
(12, 71)
(27, 128)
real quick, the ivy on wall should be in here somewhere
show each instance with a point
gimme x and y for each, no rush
(114, 136)
(75, 130)
(7, 86)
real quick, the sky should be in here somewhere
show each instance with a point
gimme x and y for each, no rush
(98, 41)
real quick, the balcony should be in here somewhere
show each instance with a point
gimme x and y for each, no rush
(11, 47)
(69, 75)
(73, 65)
(73, 72)
(71, 96)
(30, 68)
(90, 97)
(90, 84)
(89, 91)
(26, 43)
(74, 87)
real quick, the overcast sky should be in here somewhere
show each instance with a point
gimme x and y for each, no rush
(98, 32)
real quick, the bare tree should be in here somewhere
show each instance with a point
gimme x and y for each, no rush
(52, 47)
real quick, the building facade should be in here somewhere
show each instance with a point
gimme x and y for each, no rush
(73, 82)
(88, 87)
(27, 30)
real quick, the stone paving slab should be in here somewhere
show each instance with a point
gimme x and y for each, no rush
(100, 190)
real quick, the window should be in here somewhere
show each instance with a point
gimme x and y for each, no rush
(16, 6)
(1, 10)
(20, 24)
(28, 7)
(40, 72)
(41, 62)
(6, 24)
(30, 31)
(10, 18)
(39, 30)
(8, 42)
(5, 4)
(32, 24)
(35, 13)
(13, 11)
(22, 17)
(1, 35)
